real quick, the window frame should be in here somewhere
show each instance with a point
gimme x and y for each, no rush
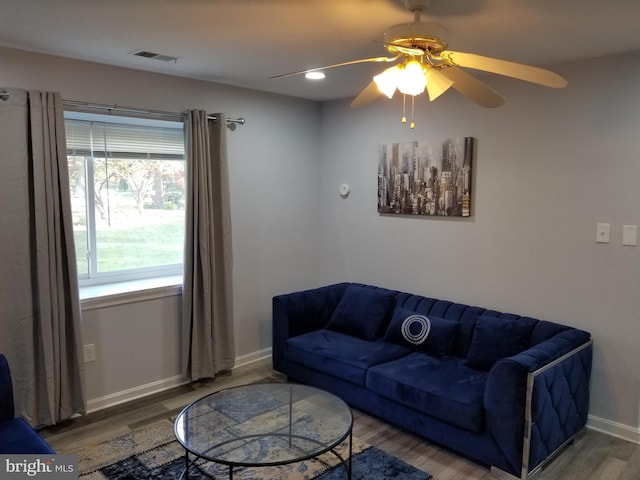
(93, 277)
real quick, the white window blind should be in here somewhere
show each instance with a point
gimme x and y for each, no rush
(85, 138)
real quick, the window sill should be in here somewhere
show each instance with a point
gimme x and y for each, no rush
(99, 296)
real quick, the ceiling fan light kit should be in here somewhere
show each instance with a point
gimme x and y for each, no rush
(425, 63)
(408, 79)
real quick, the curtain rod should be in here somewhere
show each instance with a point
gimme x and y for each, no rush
(4, 95)
(156, 113)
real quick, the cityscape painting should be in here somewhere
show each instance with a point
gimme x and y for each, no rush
(420, 178)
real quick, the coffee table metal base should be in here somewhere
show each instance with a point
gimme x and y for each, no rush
(311, 422)
(346, 463)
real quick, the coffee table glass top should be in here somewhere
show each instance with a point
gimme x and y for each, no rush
(263, 424)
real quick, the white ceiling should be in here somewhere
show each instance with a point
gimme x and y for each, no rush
(244, 42)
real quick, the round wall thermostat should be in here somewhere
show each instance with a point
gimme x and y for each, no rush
(344, 189)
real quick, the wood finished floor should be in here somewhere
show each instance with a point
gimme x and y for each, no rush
(592, 456)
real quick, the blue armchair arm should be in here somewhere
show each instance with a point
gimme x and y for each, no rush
(16, 435)
(6, 390)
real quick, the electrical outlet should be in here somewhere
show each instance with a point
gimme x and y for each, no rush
(90, 353)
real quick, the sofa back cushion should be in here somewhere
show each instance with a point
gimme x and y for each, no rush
(430, 334)
(464, 315)
(361, 311)
(495, 338)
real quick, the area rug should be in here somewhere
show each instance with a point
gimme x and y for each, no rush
(153, 453)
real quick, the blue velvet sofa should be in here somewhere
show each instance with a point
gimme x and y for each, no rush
(16, 435)
(505, 390)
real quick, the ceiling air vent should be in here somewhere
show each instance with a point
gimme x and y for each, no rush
(154, 56)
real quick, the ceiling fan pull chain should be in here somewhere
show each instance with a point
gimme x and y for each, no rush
(413, 102)
(404, 108)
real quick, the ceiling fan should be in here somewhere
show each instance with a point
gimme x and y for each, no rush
(423, 62)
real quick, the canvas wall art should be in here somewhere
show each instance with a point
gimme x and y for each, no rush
(421, 178)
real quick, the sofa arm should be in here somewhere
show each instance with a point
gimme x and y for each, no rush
(559, 403)
(537, 400)
(302, 312)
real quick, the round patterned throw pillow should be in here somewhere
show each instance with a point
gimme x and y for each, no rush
(415, 329)
(422, 333)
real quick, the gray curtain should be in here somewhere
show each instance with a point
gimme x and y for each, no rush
(207, 308)
(39, 304)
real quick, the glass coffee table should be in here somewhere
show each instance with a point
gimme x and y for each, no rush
(264, 424)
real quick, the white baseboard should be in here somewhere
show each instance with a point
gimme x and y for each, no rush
(140, 391)
(134, 393)
(244, 360)
(614, 429)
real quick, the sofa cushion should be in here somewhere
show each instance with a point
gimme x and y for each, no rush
(341, 355)
(444, 388)
(433, 335)
(361, 311)
(496, 338)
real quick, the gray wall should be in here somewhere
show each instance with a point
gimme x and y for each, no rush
(550, 165)
(274, 173)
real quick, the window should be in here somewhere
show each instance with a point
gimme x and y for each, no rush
(127, 196)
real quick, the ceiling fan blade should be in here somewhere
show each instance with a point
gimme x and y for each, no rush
(369, 95)
(471, 87)
(343, 64)
(504, 67)
(437, 83)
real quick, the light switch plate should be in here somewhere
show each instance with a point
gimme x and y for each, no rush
(630, 235)
(602, 233)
